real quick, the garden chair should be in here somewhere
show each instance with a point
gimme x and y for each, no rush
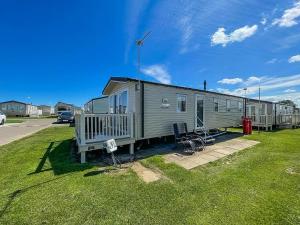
(206, 138)
(188, 145)
(199, 141)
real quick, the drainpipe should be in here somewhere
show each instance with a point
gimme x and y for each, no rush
(142, 92)
(245, 107)
(275, 114)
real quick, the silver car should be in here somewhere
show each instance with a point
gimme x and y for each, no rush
(2, 118)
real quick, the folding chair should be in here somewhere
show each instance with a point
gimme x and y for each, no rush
(188, 145)
(200, 143)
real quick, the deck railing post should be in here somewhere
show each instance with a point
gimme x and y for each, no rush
(131, 125)
(97, 127)
(82, 128)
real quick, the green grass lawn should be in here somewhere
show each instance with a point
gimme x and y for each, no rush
(39, 184)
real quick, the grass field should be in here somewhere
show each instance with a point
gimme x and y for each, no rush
(40, 185)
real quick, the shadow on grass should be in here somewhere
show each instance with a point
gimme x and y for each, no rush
(97, 172)
(60, 158)
(18, 192)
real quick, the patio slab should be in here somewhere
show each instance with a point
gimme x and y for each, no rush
(216, 154)
(210, 154)
(146, 174)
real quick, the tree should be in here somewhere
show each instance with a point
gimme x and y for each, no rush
(288, 102)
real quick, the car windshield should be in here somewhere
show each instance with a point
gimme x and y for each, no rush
(66, 114)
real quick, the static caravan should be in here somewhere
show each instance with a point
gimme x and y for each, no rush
(16, 108)
(261, 113)
(97, 105)
(143, 110)
(282, 109)
(45, 110)
(61, 106)
(286, 115)
(267, 114)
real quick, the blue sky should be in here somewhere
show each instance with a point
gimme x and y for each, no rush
(66, 50)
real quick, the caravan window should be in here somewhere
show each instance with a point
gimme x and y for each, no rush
(118, 103)
(262, 109)
(122, 100)
(112, 104)
(240, 105)
(216, 105)
(228, 105)
(181, 103)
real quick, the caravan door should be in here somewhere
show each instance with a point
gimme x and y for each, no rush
(199, 111)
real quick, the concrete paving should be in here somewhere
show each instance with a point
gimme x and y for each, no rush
(15, 131)
(210, 154)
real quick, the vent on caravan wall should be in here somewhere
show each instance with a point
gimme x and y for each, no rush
(204, 84)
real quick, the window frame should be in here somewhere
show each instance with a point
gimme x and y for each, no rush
(111, 104)
(116, 101)
(177, 99)
(240, 106)
(228, 106)
(216, 104)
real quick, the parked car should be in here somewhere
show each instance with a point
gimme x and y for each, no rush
(65, 117)
(2, 118)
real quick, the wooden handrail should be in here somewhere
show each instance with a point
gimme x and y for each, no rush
(101, 127)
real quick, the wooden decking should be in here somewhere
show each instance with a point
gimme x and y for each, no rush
(269, 121)
(92, 130)
(264, 121)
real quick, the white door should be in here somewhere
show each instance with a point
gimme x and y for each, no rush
(199, 111)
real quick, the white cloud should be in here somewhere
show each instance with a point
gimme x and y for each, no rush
(295, 58)
(273, 83)
(249, 81)
(253, 80)
(223, 90)
(158, 72)
(295, 97)
(288, 42)
(186, 28)
(289, 91)
(272, 61)
(289, 16)
(238, 35)
(263, 21)
(230, 81)
(267, 83)
(219, 37)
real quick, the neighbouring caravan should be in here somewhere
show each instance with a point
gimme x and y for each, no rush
(267, 114)
(286, 115)
(61, 106)
(143, 110)
(282, 109)
(97, 105)
(261, 113)
(16, 108)
(45, 110)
